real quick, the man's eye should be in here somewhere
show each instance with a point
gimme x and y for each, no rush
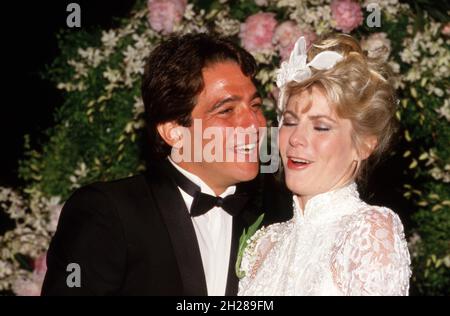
(257, 105)
(226, 111)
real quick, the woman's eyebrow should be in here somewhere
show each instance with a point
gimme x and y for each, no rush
(290, 113)
(316, 117)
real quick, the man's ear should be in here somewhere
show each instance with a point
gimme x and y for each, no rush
(170, 132)
(367, 147)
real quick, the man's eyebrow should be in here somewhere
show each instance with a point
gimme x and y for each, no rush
(256, 95)
(232, 98)
(315, 117)
(224, 101)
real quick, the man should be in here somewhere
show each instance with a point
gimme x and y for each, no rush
(174, 230)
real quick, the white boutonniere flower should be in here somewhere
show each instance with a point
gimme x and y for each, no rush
(243, 242)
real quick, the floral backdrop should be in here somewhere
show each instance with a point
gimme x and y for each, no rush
(98, 131)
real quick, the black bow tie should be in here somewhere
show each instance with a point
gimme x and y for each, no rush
(232, 204)
(203, 202)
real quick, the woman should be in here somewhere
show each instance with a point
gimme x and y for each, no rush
(337, 118)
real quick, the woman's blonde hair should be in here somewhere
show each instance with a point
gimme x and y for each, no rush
(359, 89)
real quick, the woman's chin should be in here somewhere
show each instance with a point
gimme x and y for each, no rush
(296, 186)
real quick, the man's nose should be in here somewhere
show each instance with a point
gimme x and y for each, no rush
(249, 117)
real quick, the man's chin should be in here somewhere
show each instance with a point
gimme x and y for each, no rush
(245, 171)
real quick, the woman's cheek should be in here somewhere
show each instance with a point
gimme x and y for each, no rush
(283, 141)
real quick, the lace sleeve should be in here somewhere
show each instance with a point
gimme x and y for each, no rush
(371, 257)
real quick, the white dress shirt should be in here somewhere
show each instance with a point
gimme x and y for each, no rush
(213, 230)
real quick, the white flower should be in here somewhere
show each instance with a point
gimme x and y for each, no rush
(109, 39)
(395, 67)
(225, 25)
(265, 76)
(444, 110)
(410, 54)
(436, 173)
(287, 3)
(391, 8)
(317, 18)
(189, 13)
(81, 69)
(262, 3)
(112, 75)
(5, 268)
(54, 208)
(79, 173)
(138, 106)
(141, 42)
(413, 244)
(80, 86)
(91, 55)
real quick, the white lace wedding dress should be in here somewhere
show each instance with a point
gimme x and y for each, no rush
(339, 245)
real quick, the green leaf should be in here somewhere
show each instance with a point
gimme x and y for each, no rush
(253, 228)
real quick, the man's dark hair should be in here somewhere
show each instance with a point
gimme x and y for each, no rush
(173, 79)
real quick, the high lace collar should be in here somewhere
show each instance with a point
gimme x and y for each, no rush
(329, 204)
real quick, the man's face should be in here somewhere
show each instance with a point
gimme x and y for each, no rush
(228, 101)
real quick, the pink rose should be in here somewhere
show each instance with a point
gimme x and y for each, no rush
(40, 264)
(32, 285)
(164, 14)
(27, 287)
(347, 15)
(257, 32)
(286, 34)
(446, 30)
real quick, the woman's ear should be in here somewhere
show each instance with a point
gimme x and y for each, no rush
(367, 147)
(170, 132)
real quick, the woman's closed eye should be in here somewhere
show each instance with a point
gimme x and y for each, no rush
(289, 122)
(321, 128)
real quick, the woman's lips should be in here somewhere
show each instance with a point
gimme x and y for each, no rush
(298, 164)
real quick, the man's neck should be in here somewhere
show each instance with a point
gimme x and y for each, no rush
(217, 189)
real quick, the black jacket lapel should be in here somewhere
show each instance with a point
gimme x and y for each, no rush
(247, 217)
(232, 279)
(181, 231)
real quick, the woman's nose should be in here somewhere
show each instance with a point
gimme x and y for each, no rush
(298, 137)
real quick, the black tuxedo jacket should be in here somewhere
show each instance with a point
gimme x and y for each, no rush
(134, 236)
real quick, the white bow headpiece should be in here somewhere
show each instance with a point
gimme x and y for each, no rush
(298, 70)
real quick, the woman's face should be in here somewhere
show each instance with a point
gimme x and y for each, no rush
(315, 145)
